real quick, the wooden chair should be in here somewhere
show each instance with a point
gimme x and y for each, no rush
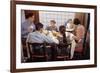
(37, 51)
(78, 51)
(64, 51)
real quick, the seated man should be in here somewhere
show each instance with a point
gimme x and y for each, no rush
(39, 37)
(52, 26)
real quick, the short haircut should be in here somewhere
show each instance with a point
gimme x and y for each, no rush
(53, 21)
(29, 15)
(38, 26)
(77, 21)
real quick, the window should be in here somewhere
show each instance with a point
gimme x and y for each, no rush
(59, 17)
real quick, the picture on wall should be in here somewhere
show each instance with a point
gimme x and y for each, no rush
(54, 25)
(52, 36)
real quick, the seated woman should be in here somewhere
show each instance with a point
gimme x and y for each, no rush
(70, 25)
(79, 33)
(67, 38)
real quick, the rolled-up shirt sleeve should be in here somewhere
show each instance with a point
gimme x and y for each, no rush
(49, 39)
(39, 38)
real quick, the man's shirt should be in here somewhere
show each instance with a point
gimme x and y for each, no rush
(24, 28)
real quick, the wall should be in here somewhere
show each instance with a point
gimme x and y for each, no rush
(5, 36)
